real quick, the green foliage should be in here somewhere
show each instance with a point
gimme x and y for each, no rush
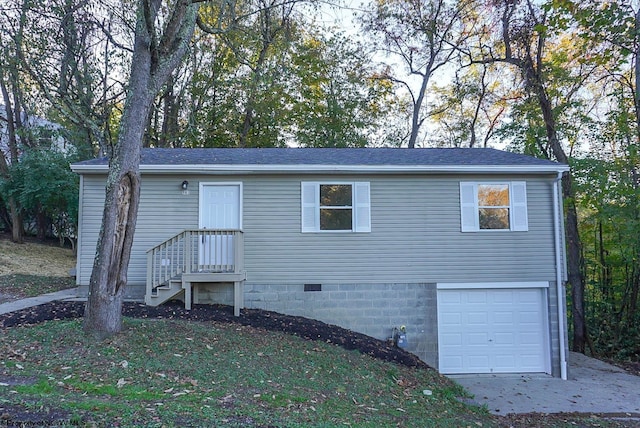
(339, 101)
(609, 198)
(43, 183)
(301, 88)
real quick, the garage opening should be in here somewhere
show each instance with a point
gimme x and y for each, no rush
(493, 328)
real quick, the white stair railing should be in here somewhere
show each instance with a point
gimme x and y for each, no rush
(194, 251)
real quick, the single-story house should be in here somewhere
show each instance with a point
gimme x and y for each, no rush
(463, 247)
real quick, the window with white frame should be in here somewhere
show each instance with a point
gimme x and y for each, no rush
(335, 207)
(493, 206)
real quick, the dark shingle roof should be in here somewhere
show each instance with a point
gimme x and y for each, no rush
(335, 157)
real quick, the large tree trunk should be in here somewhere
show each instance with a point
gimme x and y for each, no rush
(17, 225)
(531, 65)
(103, 313)
(17, 222)
(416, 121)
(574, 246)
(152, 63)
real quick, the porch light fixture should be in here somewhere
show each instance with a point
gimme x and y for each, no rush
(185, 185)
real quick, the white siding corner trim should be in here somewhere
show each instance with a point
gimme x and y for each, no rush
(310, 206)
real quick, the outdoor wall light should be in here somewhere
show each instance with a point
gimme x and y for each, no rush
(185, 185)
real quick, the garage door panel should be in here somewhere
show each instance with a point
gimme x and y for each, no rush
(530, 339)
(503, 297)
(452, 319)
(451, 339)
(475, 361)
(451, 364)
(529, 317)
(492, 330)
(528, 295)
(474, 339)
(504, 339)
(477, 318)
(478, 297)
(530, 362)
(451, 298)
(503, 317)
(506, 361)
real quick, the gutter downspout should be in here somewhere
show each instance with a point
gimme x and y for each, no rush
(559, 270)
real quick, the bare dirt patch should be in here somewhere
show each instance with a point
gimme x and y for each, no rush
(34, 259)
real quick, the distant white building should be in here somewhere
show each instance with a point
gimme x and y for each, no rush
(48, 134)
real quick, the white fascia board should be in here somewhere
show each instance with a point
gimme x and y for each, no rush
(312, 169)
(490, 285)
(88, 169)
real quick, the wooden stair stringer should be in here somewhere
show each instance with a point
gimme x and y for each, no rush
(164, 292)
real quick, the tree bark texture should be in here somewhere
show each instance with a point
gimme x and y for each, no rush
(531, 62)
(572, 233)
(152, 63)
(13, 121)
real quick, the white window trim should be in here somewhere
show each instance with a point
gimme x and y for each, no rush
(469, 209)
(310, 206)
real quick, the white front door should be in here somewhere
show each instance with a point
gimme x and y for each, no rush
(492, 331)
(220, 209)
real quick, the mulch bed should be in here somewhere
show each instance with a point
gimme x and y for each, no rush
(299, 326)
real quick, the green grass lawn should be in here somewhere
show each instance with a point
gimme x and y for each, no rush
(178, 373)
(23, 285)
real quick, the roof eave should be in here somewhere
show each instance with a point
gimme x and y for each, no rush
(313, 169)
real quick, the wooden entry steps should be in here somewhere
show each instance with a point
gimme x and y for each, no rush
(179, 263)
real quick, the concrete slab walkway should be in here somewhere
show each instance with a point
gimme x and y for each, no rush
(593, 387)
(16, 305)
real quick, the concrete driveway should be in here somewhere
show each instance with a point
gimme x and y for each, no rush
(593, 387)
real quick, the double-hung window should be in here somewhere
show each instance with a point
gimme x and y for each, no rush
(335, 207)
(493, 206)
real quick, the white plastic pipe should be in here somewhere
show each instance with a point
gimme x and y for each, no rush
(557, 213)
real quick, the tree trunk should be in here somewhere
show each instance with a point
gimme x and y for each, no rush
(574, 246)
(267, 40)
(152, 62)
(416, 122)
(103, 312)
(635, 291)
(169, 116)
(574, 266)
(42, 223)
(17, 223)
(14, 214)
(17, 226)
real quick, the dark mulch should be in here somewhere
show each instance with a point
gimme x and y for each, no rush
(582, 420)
(303, 327)
(19, 417)
(632, 367)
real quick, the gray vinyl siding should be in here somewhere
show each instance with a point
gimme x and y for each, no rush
(89, 221)
(415, 237)
(164, 212)
(372, 281)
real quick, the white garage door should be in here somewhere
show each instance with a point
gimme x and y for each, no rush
(492, 330)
